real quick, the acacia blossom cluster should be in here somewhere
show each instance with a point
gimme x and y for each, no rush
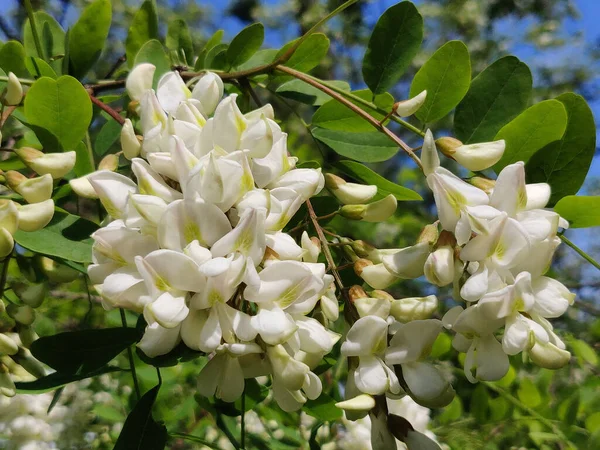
(493, 242)
(196, 242)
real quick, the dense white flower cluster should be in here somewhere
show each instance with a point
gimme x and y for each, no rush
(494, 243)
(196, 243)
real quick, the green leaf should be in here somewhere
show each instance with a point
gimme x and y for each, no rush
(365, 147)
(395, 41)
(76, 352)
(260, 58)
(528, 393)
(507, 379)
(384, 187)
(140, 430)
(452, 412)
(301, 92)
(255, 393)
(581, 211)
(308, 55)
(584, 352)
(12, 59)
(57, 379)
(179, 39)
(214, 40)
(496, 96)
(66, 236)
(245, 44)
(531, 130)
(144, 27)
(564, 164)
(499, 408)
(84, 163)
(52, 35)
(335, 116)
(87, 37)
(34, 65)
(592, 422)
(216, 57)
(62, 107)
(446, 77)
(106, 137)
(323, 408)
(153, 52)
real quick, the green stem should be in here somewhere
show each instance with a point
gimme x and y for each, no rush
(4, 274)
(26, 81)
(583, 254)
(131, 360)
(516, 402)
(34, 31)
(243, 421)
(362, 101)
(223, 427)
(192, 438)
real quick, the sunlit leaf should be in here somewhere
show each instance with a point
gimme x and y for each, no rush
(245, 44)
(144, 27)
(581, 211)
(365, 147)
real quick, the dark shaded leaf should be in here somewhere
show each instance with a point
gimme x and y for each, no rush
(57, 379)
(144, 27)
(323, 408)
(245, 44)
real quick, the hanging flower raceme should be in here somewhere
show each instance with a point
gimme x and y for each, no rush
(195, 241)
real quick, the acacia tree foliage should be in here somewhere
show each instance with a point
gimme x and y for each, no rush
(52, 98)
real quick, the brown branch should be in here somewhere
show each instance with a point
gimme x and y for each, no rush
(103, 106)
(357, 110)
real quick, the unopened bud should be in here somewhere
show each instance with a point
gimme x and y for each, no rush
(26, 360)
(485, 184)
(33, 294)
(378, 293)
(7, 242)
(82, 187)
(408, 107)
(369, 306)
(7, 386)
(56, 272)
(140, 80)
(378, 211)
(347, 249)
(361, 402)
(9, 216)
(364, 249)
(7, 345)
(349, 193)
(429, 154)
(414, 308)
(24, 314)
(55, 164)
(429, 234)
(356, 292)
(474, 157)
(109, 162)
(14, 90)
(311, 247)
(33, 190)
(130, 144)
(36, 216)
(376, 275)
(549, 356)
(27, 335)
(209, 91)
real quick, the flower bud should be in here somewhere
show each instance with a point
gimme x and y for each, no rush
(24, 314)
(9, 216)
(378, 211)
(311, 247)
(33, 294)
(362, 402)
(7, 345)
(408, 262)
(56, 164)
(549, 356)
(26, 360)
(27, 335)
(368, 306)
(82, 187)
(56, 272)
(109, 162)
(140, 80)
(7, 386)
(439, 266)
(414, 308)
(7, 243)
(538, 195)
(376, 275)
(14, 90)
(208, 90)
(474, 157)
(429, 234)
(33, 190)
(408, 107)
(378, 293)
(130, 144)
(429, 155)
(36, 216)
(356, 292)
(349, 193)
(485, 184)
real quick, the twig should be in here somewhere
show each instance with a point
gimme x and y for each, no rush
(103, 106)
(348, 104)
(581, 253)
(131, 360)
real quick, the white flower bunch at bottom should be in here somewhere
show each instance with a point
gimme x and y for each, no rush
(196, 243)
